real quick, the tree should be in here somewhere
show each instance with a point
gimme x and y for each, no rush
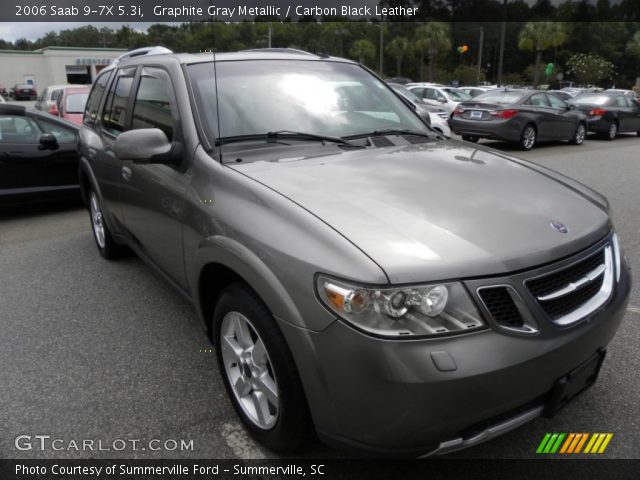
(398, 48)
(432, 37)
(633, 47)
(363, 50)
(539, 36)
(589, 69)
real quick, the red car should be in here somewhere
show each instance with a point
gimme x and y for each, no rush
(70, 104)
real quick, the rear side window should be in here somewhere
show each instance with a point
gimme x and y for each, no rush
(539, 100)
(152, 107)
(93, 103)
(115, 108)
(556, 102)
(621, 101)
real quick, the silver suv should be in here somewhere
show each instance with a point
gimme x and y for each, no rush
(359, 275)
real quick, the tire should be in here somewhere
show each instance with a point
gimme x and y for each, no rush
(107, 247)
(470, 138)
(241, 323)
(612, 132)
(528, 137)
(579, 135)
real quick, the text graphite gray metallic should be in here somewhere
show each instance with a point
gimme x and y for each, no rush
(359, 275)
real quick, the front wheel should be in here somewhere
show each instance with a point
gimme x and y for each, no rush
(579, 135)
(528, 137)
(470, 138)
(258, 370)
(107, 246)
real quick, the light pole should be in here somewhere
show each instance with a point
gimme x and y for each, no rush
(503, 28)
(381, 27)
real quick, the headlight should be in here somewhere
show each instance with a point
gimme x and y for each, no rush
(407, 311)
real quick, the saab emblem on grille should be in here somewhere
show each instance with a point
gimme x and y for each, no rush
(561, 227)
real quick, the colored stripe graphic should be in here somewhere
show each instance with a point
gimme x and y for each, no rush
(573, 443)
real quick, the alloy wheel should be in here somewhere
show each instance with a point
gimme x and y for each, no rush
(249, 370)
(581, 132)
(528, 137)
(97, 221)
(613, 131)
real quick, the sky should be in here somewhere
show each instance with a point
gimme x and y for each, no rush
(34, 30)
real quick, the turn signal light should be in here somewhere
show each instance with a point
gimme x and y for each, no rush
(506, 114)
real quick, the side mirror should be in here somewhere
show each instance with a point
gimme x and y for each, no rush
(48, 140)
(442, 100)
(146, 145)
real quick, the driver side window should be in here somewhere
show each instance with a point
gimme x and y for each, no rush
(15, 129)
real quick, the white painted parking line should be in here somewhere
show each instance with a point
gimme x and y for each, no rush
(240, 442)
(633, 309)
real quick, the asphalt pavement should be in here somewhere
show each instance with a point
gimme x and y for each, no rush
(98, 350)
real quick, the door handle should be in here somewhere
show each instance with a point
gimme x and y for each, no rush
(126, 173)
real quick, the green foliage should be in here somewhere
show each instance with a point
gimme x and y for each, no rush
(467, 75)
(589, 69)
(362, 50)
(633, 47)
(398, 48)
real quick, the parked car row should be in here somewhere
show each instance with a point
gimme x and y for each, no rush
(527, 117)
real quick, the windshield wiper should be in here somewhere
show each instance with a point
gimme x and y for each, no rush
(283, 134)
(391, 131)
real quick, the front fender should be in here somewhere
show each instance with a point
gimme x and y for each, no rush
(233, 255)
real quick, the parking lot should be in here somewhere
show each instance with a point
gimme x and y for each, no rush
(92, 349)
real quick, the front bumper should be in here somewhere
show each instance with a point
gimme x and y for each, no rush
(389, 397)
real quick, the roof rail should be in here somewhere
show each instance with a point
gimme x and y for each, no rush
(279, 50)
(138, 52)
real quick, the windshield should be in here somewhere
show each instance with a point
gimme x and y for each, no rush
(592, 99)
(318, 97)
(75, 102)
(500, 98)
(457, 95)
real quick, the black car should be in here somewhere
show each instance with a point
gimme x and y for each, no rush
(38, 156)
(24, 91)
(520, 116)
(609, 113)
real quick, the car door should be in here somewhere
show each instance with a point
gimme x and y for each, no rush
(540, 111)
(107, 167)
(152, 194)
(22, 160)
(626, 121)
(431, 95)
(563, 119)
(635, 113)
(41, 103)
(62, 163)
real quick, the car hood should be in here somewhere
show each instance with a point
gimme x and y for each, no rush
(437, 211)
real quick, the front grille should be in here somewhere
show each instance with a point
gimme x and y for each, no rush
(560, 307)
(567, 303)
(556, 280)
(501, 306)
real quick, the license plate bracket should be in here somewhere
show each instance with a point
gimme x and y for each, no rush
(573, 384)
